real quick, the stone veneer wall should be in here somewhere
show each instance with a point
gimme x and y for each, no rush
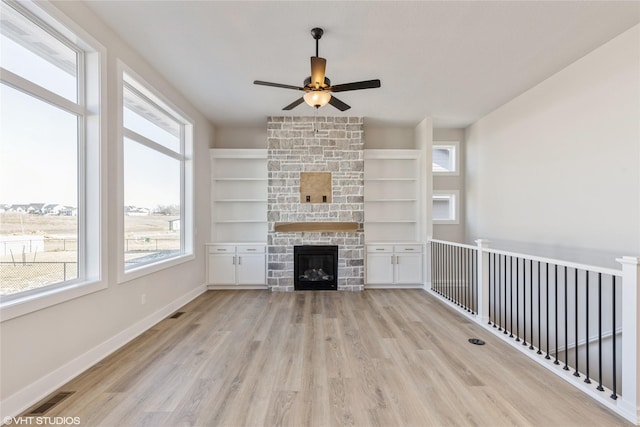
(337, 147)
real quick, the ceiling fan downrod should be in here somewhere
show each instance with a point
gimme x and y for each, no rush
(317, 33)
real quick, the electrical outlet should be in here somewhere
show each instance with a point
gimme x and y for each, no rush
(143, 299)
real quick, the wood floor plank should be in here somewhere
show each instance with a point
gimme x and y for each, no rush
(374, 358)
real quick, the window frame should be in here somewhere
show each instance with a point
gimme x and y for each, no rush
(454, 149)
(454, 206)
(150, 92)
(91, 111)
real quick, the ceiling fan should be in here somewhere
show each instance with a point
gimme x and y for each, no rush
(317, 87)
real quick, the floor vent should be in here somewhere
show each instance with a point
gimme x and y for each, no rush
(51, 402)
(176, 315)
(476, 341)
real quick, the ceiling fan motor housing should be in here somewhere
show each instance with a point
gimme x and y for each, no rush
(310, 86)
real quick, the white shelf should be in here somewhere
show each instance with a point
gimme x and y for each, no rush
(392, 195)
(392, 221)
(390, 179)
(240, 200)
(390, 200)
(238, 195)
(239, 179)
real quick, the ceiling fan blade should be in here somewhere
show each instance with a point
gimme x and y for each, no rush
(260, 82)
(294, 104)
(318, 67)
(338, 104)
(366, 84)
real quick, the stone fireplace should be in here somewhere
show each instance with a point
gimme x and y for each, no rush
(331, 145)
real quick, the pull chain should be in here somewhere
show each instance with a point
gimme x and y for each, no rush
(315, 121)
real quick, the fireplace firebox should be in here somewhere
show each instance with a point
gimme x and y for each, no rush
(315, 268)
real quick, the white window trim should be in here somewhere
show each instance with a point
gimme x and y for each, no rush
(454, 196)
(455, 147)
(186, 202)
(92, 190)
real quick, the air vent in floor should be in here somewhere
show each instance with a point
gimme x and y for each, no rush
(51, 402)
(176, 315)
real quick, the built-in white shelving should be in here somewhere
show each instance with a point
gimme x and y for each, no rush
(238, 196)
(392, 195)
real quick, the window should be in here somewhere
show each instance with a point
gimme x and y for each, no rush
(49, 160)
(445, 207)
(156, 146)
(445, 158)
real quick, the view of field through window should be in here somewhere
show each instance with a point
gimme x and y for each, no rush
(39, 249)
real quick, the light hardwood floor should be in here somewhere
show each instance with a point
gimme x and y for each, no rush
(373, 358)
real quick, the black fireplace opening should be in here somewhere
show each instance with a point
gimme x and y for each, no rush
(315, 268)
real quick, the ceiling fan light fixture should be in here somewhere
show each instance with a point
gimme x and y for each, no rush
(317, 98)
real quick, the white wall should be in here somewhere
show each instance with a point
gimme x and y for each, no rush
(241, 137)
(42, 349)
(560, 164)
(451, 232)
(388, 137)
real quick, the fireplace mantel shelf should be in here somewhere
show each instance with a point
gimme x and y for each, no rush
(284, 227)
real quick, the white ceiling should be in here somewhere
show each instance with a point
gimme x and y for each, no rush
(453, 61)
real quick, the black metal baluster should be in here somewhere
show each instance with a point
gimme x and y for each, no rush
(447, 263)
(438, 269)
(452, 281)
(469, 278)
(510, 297)
(539, 313)
(474, 276)
(500, 292)
(467, 275)
(524, 301)
(555, 282)
(433, 273)
(448, 280)
(575, 303)
(566, 323)
(614, 395)
(462, 265)
(474, 292)
(517, 299)
(547, 309)
(464, 278)
(531, 347)
(492, 269)
(454, 284)
(586, 315)
(456, 288)
(600, 388)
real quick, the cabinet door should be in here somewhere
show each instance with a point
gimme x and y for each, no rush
(379, 269)
(408, 268)
(251, 269)
(222, 269)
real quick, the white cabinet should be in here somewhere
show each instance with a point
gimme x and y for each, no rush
(394, 265)
(236, 265)
(393, 195)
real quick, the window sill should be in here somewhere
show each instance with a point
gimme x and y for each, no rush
(143, 270)
(21, 306)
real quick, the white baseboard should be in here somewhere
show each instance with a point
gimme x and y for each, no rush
(393, 286)
(21, 400)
